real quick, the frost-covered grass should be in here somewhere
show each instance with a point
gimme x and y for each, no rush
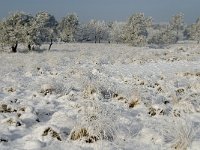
(101, 96)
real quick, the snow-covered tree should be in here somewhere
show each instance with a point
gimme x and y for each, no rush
(26, 29)
(177, 24)
(68, 27)
(102, 31)
(116, 32)
(169, 33)
(164, 36)
(97, 30)
(194, 31)
(1, 34)
(82, 33)
(92, 30)
(14, 29)
(43, 29)
(135, 31)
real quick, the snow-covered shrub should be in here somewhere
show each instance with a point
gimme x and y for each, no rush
(97, 122)
(47, 88)
(135, 30)
(51, 87)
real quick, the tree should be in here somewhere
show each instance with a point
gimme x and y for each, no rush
(177, 24)
(68, 27)
(101, 31)
(82, 33)
(26, 29)
(1, 34)
(194, 31)
(92, 30)
(135, 31)
(97, 30)
(14, 29)
(164, 36)
(116, 32)
(43, 29)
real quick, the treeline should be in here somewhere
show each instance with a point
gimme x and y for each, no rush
(138, 30)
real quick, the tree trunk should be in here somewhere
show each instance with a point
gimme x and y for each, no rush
(14, 48)
(33, 47)
(99, 40)
(177, 33)
(50, 44)
(198, 42)
(29, 47)
(95, 39)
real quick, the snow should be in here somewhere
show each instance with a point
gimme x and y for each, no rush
(120, 97)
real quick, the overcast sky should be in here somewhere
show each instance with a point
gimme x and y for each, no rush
(120, 10)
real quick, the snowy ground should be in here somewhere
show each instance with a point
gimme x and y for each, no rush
(101, 96)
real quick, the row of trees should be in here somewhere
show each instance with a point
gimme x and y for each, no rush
(138, 30)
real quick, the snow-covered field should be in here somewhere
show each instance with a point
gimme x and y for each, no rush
(101, 96)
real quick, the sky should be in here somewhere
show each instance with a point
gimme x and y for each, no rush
(109, 10)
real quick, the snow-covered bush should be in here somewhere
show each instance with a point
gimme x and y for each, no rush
(52, 87)
(97, 122)
(135, 30)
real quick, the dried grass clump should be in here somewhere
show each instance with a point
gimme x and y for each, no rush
(133, 103)
(89, 91)
(5, 109)
(78, 134)
(12, 122)
(11, 89)
(47, 89)
(153, 111)
(82, 133)
(52, 133)
(51, 86)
